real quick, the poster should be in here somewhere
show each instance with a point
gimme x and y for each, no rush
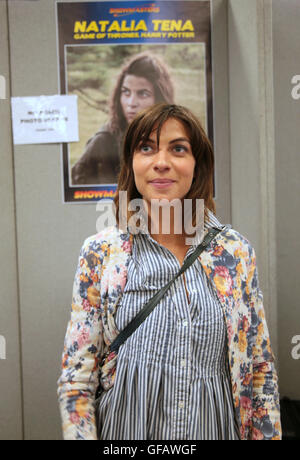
(118, 58)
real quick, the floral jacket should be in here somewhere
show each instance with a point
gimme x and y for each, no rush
(230, 265)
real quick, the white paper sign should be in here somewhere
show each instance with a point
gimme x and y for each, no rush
(44, 119)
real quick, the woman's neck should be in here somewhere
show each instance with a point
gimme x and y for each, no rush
(168, 230)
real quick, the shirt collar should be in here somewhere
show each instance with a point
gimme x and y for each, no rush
(213, 221)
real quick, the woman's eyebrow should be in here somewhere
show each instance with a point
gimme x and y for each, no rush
(144, 89)
(148, 140)
(180, 139)
(138, 90)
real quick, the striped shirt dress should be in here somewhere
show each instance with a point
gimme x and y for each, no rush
(172, 380)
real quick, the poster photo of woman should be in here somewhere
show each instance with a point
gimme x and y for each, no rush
(116, 79)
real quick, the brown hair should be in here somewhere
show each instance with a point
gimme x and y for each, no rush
(141, 127)
(144, 65)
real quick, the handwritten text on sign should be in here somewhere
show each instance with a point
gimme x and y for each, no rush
(45, 119)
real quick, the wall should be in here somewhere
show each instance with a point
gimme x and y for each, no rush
(286, 17)
(264, 130)
(10, 368)
(251, 124)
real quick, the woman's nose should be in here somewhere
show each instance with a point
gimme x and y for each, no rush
(161, 159)
(132, 100)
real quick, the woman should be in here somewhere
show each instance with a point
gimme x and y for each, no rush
(143, 81)
(200, 366)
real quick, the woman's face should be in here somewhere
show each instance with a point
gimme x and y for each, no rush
(168, 171)
(137, 94)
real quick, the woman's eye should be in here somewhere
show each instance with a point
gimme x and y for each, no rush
(180, 149)
(145, 148)
(125, 91)
(144, 94)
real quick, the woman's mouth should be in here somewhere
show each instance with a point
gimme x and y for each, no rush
(159, 184)
(131, 114)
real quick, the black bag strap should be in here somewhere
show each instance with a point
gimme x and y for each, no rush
(148, 308)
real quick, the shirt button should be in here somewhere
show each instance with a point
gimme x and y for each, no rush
(183, 363)
(185, 323)
(181, 404)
